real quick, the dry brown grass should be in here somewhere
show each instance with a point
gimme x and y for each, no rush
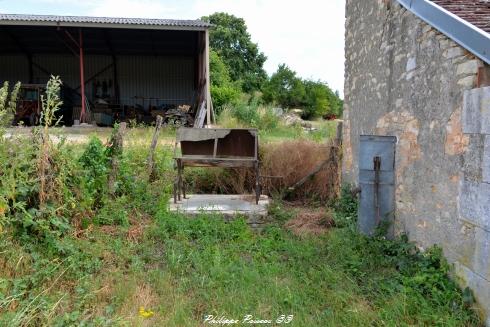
(310, 221)
(143, 296)
(282, 165)
(292, 161)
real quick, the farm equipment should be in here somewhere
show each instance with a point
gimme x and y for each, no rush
(29, 104)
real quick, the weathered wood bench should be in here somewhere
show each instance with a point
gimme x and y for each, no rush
(203, 147)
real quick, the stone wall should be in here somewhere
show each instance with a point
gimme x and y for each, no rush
(406, 79)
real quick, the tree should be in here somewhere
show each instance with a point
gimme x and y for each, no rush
(284, 88)
(223, 90)
(289, 91)
(320, 100)
(233, 44)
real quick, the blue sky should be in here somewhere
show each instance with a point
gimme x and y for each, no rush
(307, 35)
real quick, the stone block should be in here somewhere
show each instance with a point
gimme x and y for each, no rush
(486, 160)
(467, 82)
(479, 285)
(468, 68)
(474, 203)
(481, 259)
(411, 64)
(453, 52)
(476, 111)
(473, 157)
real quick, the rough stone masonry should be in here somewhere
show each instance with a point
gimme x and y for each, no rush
(404, 78)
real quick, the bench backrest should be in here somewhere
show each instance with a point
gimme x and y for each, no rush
(219, 143)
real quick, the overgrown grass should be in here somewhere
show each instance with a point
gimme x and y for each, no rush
(185, 269)
(84, 256)
(247, 114)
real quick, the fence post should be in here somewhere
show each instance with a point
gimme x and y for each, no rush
(117, 147)
(153, 145)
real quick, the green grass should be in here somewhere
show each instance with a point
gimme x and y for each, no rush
(129, 252)
(184, 269)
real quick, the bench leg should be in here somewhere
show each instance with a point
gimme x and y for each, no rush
(179, 180)
(176, 182)
(175, 191)
(183, 182)
(257, 183)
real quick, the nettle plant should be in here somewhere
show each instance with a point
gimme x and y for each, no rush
(7, 109)
(8, 104)
(38, 177)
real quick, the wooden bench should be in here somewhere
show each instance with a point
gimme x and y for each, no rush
(219, 147)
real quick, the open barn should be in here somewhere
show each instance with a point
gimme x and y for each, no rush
(113, 69)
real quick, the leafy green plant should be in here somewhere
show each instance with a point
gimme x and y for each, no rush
(95, 161)
(7, 104)
(345, 214)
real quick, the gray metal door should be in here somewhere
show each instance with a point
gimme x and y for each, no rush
(377, 183)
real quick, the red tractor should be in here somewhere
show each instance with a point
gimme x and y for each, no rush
(29, 104)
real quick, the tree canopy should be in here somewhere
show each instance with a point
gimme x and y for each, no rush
(233, 44)
(236, 66)
(286, 89)
(223, 90)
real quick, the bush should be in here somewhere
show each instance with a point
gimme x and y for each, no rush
(289, 91)
(249, 114)
(223, 95)
(95, 161)
(223, 90)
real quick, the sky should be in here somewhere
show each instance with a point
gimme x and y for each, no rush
(307, 35)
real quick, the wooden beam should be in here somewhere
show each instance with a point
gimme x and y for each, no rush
(103, 70)
(208, 84)
(117, 93)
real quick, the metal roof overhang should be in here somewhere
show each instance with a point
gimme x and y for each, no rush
(103, 25)
(465, 34)
(103, 22)
(52, 39)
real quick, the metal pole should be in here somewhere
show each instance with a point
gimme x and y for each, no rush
(82, 78)
(377, 168)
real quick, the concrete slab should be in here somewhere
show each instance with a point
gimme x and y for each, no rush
(227, 205)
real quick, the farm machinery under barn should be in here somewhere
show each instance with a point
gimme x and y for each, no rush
(29, 104)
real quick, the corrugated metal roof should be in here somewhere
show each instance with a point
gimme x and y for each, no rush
(112, 21)
(476, 12)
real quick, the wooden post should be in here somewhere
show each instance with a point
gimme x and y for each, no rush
(333, 159)
(82, 78)
(336, 153)
(208, 84)
(338, 137)
(117, 147)
(153, 145)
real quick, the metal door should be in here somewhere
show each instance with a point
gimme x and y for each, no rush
(377, 183)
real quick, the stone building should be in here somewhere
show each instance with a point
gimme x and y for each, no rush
(419, 70)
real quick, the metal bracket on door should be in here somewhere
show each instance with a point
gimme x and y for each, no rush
(377, 168)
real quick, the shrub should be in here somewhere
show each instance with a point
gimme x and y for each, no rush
(249, 114)
(8, 105)
(94, 161)
(223, 95)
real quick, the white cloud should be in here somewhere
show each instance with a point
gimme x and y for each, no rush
(133, 8)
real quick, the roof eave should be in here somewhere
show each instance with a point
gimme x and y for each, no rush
(102, 25)
(462, 32)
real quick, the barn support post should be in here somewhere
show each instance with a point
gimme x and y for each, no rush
(31, 70)
(208, 86)
(82, 77)
(117, 92)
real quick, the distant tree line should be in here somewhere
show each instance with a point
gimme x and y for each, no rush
(237, 67)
